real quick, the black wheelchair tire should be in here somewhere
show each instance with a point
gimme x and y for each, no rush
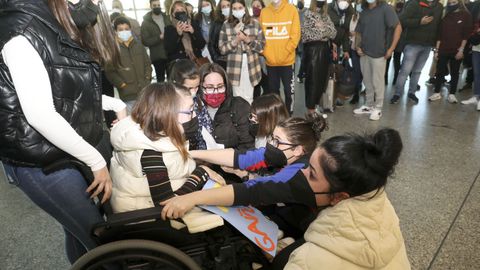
(95, 256)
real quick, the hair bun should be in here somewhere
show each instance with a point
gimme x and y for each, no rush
(386, 145)
(318, 122)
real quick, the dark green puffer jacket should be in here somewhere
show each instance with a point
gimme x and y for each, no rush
(151, 36)
(410, 18)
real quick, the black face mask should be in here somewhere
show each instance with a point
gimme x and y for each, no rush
(451, 8)
(253, 129)
(300, 5)
(320, 4)
(191, 128)
(157, 11)
(275, 157)
(84, 13)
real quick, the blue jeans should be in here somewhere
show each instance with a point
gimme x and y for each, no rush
(414, 59)
(476, 73)
(62, 195)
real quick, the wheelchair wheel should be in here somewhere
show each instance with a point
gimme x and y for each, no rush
(135, 254)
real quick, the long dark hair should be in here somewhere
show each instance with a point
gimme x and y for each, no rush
(219, 17)
(246, 19)
(156, 113)
(270, 111)
(214, 68)
(98, 40)
(198, 16)
(358, 164)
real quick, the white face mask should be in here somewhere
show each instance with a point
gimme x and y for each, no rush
(207, 10)
(342, 5)
(238, 13)
(124, 35)
(226, 12)
(116, 10)
(371, 1)
(276, 1)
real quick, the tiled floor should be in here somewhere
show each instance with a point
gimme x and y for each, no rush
(435, 189)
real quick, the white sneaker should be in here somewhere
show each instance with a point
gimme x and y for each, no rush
(435, 96)
(363, 110)
(376, 114)
(452, 98)
(472, 100)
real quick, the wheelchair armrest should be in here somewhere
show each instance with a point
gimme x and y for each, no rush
(124, 218)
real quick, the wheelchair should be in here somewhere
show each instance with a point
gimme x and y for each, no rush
(141, 240)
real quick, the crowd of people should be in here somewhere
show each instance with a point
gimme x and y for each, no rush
(215, 111)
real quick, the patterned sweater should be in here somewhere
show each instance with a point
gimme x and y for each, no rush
(317, 27)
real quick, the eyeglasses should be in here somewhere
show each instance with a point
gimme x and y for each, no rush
(210, 89)
(189, 113)
(276, 142)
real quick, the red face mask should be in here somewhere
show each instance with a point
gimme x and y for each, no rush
(214, 100)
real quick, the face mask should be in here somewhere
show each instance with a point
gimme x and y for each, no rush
(238, 13)
(371, 1)
(451, 8)
(157, 11)
(320, 4)
(359, 8)
(300, 5)
(343, 5)
(84, 13)
(124, 35)
(206, 10)
(275, 157)
(253, 129)
(191, 128)
(214, 100)
(116, 10)
(226, 12)
(276, 1)
(256, 11)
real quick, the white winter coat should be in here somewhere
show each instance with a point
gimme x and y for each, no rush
(130, 185)
(354, 234)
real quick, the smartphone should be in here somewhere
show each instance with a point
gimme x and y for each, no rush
(181, 16)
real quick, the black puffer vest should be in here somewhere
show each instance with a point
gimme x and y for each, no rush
(74, 77)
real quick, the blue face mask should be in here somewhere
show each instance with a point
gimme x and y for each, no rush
(359, 8)
(207, 10)
(371, 1)
(124, 35)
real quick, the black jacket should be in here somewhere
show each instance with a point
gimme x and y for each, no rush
(174, 45)
(75, 79)
(213, 44)
(343, 29)
(411, 16)
(230, 124)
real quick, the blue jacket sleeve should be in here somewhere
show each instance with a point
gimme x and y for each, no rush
(271, 189)
(251, 160)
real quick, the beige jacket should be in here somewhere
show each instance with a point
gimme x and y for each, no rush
(355, 234)
(130, 186)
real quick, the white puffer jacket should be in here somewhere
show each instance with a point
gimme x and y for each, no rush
(355, 234)
(130, 185)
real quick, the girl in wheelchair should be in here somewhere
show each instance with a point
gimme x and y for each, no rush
(150, 160)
